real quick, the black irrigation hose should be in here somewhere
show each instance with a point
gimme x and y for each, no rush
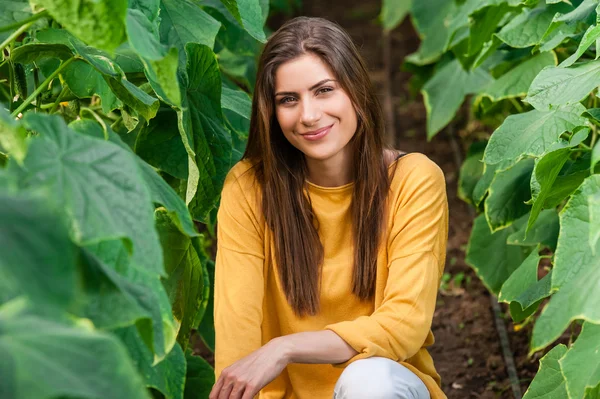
(509, 361)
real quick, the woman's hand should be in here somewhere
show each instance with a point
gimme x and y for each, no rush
(246, 377)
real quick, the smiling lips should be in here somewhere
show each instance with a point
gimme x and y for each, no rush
(317, 134)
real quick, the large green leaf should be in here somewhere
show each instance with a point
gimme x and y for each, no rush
(556, 86)
(200, 377)
(432, 29)
(185, 281)
(44, 358)
(445, 91)
(168, 376)
(29, 53)
(97, 183)
(581, 364)
(160, 145)
(237, 101)
(572, 174)
(39, 262)
(522, 290)
(206, 328)
(594, 204)
(508, 195)
(100, 23)
(589, 38)
(393, 12)
(516, 81)
(85, 81)
(576, 271)
(184, 22)
(12, 11)
(532, 133)
(160, 63)
(249, 14)
(544, 231)
(573, 253)
(549, 382)
(529, 27)
(490, 256)
(160, 191)
(205, 136)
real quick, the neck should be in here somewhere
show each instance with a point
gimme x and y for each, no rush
(331, 172)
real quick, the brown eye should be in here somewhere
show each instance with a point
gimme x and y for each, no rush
(322, 90)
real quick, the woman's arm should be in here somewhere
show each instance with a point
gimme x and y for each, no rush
(315, 347)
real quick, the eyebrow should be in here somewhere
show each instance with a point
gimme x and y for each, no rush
(281, 93)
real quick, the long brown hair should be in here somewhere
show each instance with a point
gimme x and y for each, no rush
(281, 171)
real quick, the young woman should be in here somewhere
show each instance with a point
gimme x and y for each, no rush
(330, 245)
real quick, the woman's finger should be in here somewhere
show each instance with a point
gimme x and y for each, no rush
(226, 389)
(214, 393)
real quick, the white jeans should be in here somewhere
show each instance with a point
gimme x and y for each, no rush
(379, 378)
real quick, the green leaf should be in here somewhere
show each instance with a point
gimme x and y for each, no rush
(576, 270)
(432, 29)
(570, 177)
(393, 12)
(183, 22)
(12, 136)
(546, 170)
(100, 24)
(135, 295)
(556, 86)
(508, 194)
(549, 382)
(237, 101)
(160, 145)
(249, 14)
(445, 91)
(12, 11)
(594, 202)
(160, 191)
(203, 130)
(581, 364)
(144, 104)
(529, 27)
(532, 133)
(521, 290)
(490, 256)
(168, 376)
(483, 185)
(516, 81)
(85, 81)
(200, 377)
(206, 327)
(43, 358)
(160, 62)
(591, 35)
(595, 156)
(97, 183)
(41, 262)
(29, 53)
(185, 281)
(544, 231)
(471, 171)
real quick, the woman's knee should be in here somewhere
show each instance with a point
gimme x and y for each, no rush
(379, 378)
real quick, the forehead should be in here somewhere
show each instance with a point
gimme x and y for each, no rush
(301, 73)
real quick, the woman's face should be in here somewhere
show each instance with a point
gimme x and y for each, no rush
(307, 99)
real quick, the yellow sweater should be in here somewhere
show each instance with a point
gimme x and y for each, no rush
(250, 306)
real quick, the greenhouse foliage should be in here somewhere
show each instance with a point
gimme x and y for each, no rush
(531, 69)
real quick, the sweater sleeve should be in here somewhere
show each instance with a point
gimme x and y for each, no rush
(399, 326)
(239, 279)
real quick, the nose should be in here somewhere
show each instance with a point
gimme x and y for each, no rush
(311, 112)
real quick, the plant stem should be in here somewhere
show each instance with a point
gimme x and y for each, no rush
(41, 87)
(15, 34)
(516, 104)
(60, 96)
(32, 19)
